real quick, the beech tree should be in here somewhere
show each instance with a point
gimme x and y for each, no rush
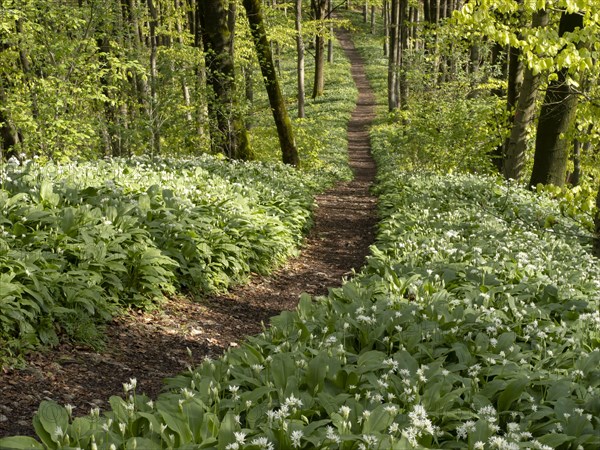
(513, 164)
(556, 117)
(267, 67)
(558, 61)
(319, 9)
(597, 226)
(300, 60)
(228, 131)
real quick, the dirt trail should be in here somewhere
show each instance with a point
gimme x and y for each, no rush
(152, 346)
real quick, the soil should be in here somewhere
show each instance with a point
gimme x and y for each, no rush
(151, 346)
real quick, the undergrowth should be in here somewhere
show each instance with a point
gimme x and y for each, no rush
(474, 324)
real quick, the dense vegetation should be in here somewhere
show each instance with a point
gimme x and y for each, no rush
(474, 323)
(81, 241)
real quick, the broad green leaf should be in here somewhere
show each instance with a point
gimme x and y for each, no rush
(20, 443)
(511, 393)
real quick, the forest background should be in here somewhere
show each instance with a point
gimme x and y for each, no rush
(501, 88)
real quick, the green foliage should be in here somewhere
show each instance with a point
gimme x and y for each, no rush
(474, 324)
(80, 240)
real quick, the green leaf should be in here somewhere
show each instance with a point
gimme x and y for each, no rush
(555, 440)
(139, 443)
(511, 393)
(20, 443)
(378, 421)
(226, 430)
(51, 416)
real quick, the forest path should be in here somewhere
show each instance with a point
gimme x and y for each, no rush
(152, 346)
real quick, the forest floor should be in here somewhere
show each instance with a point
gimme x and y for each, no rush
(151, 346)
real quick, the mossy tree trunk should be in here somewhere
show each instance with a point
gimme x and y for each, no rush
(227, 129)
(267, 67)
(556, 116)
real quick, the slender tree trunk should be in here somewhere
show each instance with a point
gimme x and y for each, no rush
(365, 11)
(386, 27)
(597, 226)
(393, 100)
(319, 10)
(276, 100)
(330, 40)
(372, 19)
(300, 62)
(202, 115)
(556, 116)
(228, 132)
(403, 48)
(575, 177)
(513, 161)
(154, 119)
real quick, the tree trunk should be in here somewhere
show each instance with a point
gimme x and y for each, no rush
(373, 19)
(319, 10)
(556, 116)
(515, 78)
(393, 100)
(597, 226)
(403, 48)
(154, 120)
(386, 27)
(513, 163)
(228, 132)
(330, 40)
(300, 62)
(265, 59)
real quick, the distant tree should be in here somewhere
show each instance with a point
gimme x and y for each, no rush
(597, 226)
(393, 56)
(319, 9)
(300, 60)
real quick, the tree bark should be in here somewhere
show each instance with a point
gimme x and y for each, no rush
(403, 47)
(265, 58)
(372, 19)
(393, 94)
(319, 10)
(513, 163)
(597, 226)
(386, 27)
(228, 132)
(556, 116)
(330, 40)
(300, 62)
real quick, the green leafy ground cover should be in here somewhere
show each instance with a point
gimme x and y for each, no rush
(81, 241)
(473, 325)
(465, 329)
